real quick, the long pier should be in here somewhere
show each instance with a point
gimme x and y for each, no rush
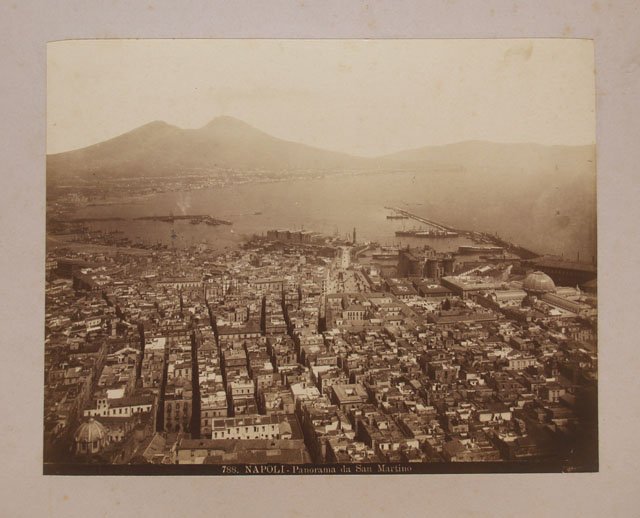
(521, 251)
(435, 224)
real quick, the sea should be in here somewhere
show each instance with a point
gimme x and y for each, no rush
(336, 205)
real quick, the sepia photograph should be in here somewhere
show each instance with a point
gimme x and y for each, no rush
(320, 257)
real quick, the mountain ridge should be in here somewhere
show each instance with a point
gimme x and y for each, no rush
(225, 142)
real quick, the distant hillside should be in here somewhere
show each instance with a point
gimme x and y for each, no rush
(477, 155)
(159, 149)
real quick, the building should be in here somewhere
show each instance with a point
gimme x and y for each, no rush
(466, 286)
(270, 285)
(177, 408)
(234, 451)
(566, 273)
(180, 283)
(432, 291)
(212, 405)
(470, 450)
(424, 262)
(232, 333)
(347, 397)
(519, 363)
(120, 407)
(274, 426)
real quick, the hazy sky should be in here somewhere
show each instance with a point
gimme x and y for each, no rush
(367, 97)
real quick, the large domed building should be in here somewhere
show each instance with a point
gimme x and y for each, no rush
(90, 437)
(538, 283)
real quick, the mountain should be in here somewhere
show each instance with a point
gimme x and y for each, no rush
(160, 149)
(478, 155)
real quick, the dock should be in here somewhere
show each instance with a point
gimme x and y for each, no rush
(431, 223)
(481, 237)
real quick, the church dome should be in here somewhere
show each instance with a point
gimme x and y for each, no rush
(538, 282)
(90, 436)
